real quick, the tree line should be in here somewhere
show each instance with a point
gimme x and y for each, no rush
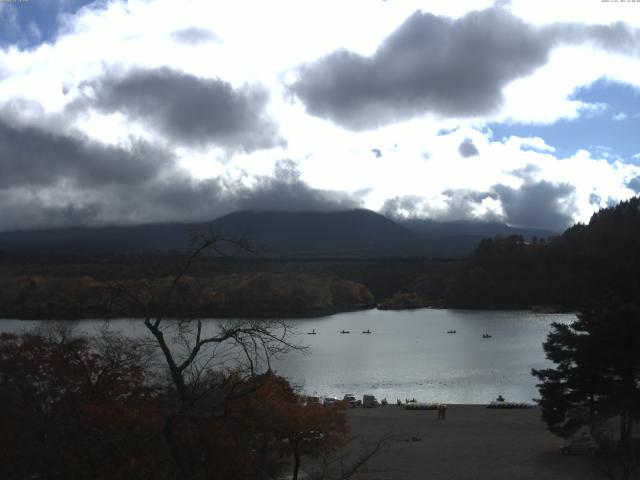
(187, 401)
(564, 272)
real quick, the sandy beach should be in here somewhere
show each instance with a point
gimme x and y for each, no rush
(472, 442)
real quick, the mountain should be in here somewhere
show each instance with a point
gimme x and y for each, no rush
(471, 228)
(342, 233)
(351, 233)
(123, 239)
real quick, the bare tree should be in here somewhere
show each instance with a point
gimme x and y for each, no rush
(206, 361)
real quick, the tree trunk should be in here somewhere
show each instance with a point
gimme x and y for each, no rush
(296, 458)
(175, 373)
(173, 447)
(626, 427)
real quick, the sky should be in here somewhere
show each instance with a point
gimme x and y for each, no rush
(525, 112)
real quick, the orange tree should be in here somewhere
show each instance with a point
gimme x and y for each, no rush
(289, 427)
(71, 408)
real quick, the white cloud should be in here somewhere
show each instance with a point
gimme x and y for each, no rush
(263, 42)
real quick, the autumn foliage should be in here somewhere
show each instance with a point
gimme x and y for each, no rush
(74, 408)
(296, 428)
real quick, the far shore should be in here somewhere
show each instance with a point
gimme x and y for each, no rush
(266, 315)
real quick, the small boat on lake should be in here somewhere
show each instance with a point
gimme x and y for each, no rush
(345, 331)
(486, 335)
(367, 331)
(312, 332)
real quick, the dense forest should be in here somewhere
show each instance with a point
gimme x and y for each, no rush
(583, 264)
(556, 274)
(83, 286)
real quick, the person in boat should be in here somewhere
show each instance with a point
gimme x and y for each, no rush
(500, 398)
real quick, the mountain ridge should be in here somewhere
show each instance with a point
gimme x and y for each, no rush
(357, 232)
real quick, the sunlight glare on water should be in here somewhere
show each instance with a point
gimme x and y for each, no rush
(408, 354)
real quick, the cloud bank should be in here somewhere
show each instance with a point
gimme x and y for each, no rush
(190, 110)
(535, 204)
(49, 179)
(438, 65)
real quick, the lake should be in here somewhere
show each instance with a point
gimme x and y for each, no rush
(408, 354)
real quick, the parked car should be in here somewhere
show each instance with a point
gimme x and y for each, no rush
(369, 401)
(328, 401)
(350, 399)
(581, 444)
(312, 400)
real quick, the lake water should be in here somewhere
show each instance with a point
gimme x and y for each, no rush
(408, 354)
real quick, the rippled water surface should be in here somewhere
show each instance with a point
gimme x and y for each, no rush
(409, 353)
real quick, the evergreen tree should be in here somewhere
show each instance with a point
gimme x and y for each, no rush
(597, 373)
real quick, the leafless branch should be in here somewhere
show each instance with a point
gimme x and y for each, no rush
(342, 465)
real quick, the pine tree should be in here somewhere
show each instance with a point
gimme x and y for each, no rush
(597, 373)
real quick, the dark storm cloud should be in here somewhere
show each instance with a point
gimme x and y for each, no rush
(171, 195)
(538, 204)
(189, 110)
(194, 36)
(181, 197)
(285, 190)
(23, 210)
(433, 64)
(429, 64)
(53, 177)
(618, 36)
(468, 149)
(634, 184)
(33, 157)
(535, 204)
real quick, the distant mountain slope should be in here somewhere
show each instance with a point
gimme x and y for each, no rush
(341, 232)
(125, 239)
(352, 233)
(470, 228)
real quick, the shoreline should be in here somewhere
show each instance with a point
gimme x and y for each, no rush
(281, 315)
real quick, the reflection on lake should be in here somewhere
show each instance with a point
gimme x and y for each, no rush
(408, 353)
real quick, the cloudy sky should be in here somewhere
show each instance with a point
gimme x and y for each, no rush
(121, 112)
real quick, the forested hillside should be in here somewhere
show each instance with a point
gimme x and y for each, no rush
(584, 263)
